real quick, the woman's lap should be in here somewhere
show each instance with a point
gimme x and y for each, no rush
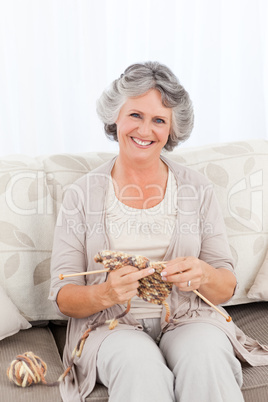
(132, 367)
(187, 365)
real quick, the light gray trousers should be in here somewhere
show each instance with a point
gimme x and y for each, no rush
(193, 363)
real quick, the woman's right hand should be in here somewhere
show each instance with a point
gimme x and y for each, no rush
(122, 284)
(82, 301)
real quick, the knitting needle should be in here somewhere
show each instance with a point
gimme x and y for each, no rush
(61, 276)
(227, 317)
(83, 273)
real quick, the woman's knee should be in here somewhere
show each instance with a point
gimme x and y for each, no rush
(203, 362)
(196, 347)
(130, 353)
(194, 335)
(203, 343)
(133, 358)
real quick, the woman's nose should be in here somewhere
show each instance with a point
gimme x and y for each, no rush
(144, 128)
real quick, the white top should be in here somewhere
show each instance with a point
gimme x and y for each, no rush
(144, 232)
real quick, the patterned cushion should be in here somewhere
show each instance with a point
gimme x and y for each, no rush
(31, 191)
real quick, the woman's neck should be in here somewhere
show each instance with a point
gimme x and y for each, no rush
(140, 186)
(140, 173)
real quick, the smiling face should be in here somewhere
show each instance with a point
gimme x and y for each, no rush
(143, 126)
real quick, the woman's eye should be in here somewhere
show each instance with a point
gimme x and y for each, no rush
(159, 121)
(135, 115)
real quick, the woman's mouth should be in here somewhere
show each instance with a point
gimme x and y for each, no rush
(140, 142)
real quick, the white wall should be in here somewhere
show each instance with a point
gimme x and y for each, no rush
(56, 57)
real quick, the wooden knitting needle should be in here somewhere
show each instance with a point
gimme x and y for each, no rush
(61, 276)
(227, 317)
(83, 273)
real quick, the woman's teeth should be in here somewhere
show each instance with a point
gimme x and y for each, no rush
(139, 142)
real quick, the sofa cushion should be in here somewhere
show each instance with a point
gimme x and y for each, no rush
(99, 394)
(41, 342)
(253, 320)
(31, 191)
(11, 321)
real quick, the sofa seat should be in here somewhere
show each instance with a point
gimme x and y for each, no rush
(41, 342)
(252, 318)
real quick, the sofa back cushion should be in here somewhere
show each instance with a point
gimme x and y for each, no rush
(31, 191)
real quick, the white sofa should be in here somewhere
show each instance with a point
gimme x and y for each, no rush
(31, 191)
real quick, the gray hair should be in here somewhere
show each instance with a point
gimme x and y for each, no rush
(136, 81)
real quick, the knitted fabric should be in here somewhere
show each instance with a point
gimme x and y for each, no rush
(152, 288)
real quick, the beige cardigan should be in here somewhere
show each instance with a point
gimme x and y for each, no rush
(80, 234)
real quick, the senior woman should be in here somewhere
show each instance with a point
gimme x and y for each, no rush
(142, 203)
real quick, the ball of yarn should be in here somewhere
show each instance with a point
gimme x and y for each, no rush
(27, 369)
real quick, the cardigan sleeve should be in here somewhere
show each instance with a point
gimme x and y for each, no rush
(215, 249)
(69, 251)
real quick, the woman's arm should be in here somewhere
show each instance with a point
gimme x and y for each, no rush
(82, 301)
(216, 284)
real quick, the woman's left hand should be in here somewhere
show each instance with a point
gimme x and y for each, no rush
(187, 273)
